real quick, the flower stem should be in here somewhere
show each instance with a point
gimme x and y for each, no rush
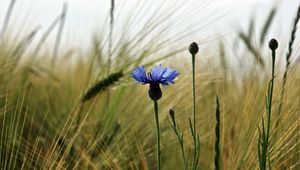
(195, 158)
(194, 94)
(157, 133)
(193, 49)
(271, 94)
(217, 132)
(263, 145)
(180, 138)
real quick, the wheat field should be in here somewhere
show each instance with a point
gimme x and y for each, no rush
(64, 109)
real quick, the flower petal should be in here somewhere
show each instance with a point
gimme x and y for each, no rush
(139, 74)
(157, 75)
(169, 75)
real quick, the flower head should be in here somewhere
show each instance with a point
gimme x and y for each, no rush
(157, 75)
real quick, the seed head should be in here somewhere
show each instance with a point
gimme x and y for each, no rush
(193, 49)
(273, 44)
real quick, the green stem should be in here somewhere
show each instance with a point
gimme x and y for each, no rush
(194, 115)
(180, 140)
(217, 132)
(271, 96)
(157, 133)
(194, 94)
(265, 145)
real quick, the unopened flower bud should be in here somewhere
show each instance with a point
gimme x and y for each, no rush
(172, 114)
(193, 49)
(273, 44)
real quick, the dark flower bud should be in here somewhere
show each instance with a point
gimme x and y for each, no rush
(154, 91)
(193, 49)
(273, 44)
(172, 114)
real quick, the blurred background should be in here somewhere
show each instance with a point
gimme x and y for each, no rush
(88, 17)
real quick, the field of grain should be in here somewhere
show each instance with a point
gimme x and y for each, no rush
(67, 109)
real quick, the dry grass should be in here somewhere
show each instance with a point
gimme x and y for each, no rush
(44, 124)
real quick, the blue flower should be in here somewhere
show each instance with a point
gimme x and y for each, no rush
(157, 75)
